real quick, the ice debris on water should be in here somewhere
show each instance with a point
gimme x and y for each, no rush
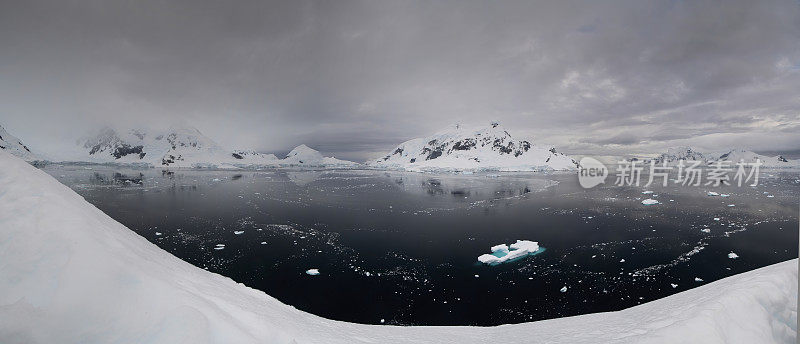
(706, 230)
(698, 279)
(502, 253)
(563, 289)
(673, 285)
(238, 232)
(733, 255)
(312, 272)
(649, 201)
(712, 193)
(647, 192)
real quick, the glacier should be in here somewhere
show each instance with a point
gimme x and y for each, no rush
(71, 274)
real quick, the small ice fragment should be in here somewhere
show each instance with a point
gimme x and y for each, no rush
(712, 193)
(383, 321)
(731, 205)
(215, 180)
(716, 219)
(698, 279)
(564, 289)
(622, 260)
(706, 230)
(476, 276)
(673, 285)
(238, 232)
(158, 233)
(312, 272)
(724, 195)
(770, 196)
(220, 245)
(649, 201)
(733, 255)
(672, 200)
(263, 243)
(647, 192)
(219, 248)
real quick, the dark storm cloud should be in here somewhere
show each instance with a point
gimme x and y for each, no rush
(355, 78)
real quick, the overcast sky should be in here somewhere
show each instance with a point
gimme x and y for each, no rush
(354, 79)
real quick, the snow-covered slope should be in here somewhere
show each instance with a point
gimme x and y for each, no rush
(489, 147)
(302, 155)
(15, 146)
(737, 155)
(71, 274)
(253, 157)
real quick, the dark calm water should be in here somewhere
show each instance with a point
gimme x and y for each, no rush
(403, 247)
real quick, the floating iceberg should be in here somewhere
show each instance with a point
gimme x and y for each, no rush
(649, 201)
(238, 232)
(733, 255)
(647, 192)
(712, 193)
(312, 272)
(564, 289)
(503, 253)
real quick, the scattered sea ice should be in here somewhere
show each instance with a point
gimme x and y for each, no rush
(712, 193)
(647, 192)
(564, 289)
(724, 195)
(731, 205)
(733, 255)
(158, 233)
(238, 232)
(622, 260)
(312, 272)
(706, 230)
(263, 243)
(649, 201)
(698, 279)
(673, 285)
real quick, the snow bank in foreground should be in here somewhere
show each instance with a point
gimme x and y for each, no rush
(71, 274)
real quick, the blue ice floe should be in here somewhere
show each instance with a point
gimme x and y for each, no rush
(503, 253)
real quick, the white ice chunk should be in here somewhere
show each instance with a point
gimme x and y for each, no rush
(312, 272)
(563, 289)
(712, 193)
(238, 232)
(698, 279)
(647, 192)
(649, 201)
(733, 255)
(500, 248)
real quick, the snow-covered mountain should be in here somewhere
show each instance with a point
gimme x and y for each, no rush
(15, 146)
(72, 274)
(186, 147)
(175, 146)
(489, 147)
(302, 155)
(737, 155)
(673, 155)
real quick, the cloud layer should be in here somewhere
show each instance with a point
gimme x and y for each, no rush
(355, 78)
